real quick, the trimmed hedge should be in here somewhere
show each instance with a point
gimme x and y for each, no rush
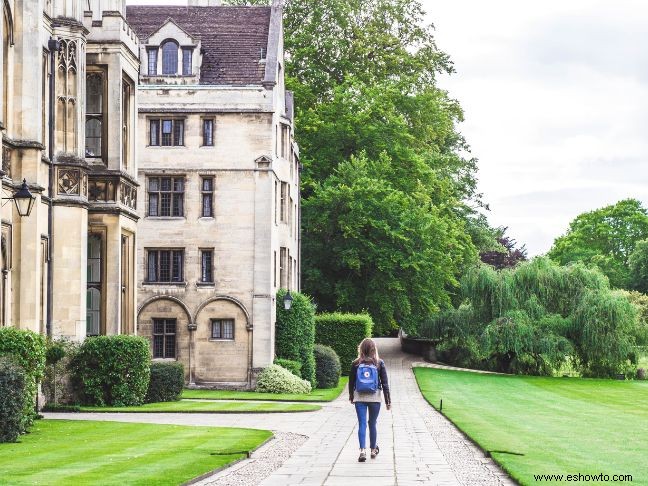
(343, 332)
(26, 349)
(166, 384)
(275, 379)
(295, 333)
(112, 370)
(327, 366)
(293, 366)
(14, 398)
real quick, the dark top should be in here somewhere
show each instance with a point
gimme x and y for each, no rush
(382, 380)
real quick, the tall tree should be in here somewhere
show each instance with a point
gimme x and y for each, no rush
(364, 77)
(638, 263)
(605, 237)
(508, 255)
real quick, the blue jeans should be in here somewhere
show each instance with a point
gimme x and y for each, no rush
(361, 411)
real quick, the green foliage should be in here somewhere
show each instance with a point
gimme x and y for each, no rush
(113, 370)
(602, 327)
(640, 301)
(14, 399)
(56, 382)
(295, 333)
(607, 238)
(638, 264)
(166, 383)
(327, 366)
(275, 379)
(293, 366)
(393, 239)
(533, 318)
(26, 349)
(343, 332)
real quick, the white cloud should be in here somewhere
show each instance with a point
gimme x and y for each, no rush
(554, 99)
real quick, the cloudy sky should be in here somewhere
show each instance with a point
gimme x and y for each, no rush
(555, 95)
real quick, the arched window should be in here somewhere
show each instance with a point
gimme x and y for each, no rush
(169, 57)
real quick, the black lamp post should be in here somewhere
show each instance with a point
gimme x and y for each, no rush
(24, 199)
(287, 301)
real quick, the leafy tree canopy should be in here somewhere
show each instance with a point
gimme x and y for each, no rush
(393, 237)
(638, 263)
(605, 237)
(507, 255)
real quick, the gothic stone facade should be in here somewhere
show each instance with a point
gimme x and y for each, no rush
(69, 79)
(218, 187)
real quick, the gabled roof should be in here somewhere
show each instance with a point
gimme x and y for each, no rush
(232, 38)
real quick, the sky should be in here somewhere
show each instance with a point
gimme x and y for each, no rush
(555, 97)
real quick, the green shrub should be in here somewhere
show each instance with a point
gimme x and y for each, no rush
(275, 379)
(343, 332)
(14, 399)
(26, 349)
(56, 384)
(293, 366)
(167, 382)
(327, 366)
(113, 370)
(295, 333)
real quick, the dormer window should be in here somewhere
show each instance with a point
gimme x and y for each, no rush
(186, 60)
(169, 57)
(152, 53)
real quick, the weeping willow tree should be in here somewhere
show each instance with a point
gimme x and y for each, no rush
(532, 318)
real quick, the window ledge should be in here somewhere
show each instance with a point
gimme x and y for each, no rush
(206, 284)
(164, 359)
(165, 284)
(166, 146)
(167, 218)
(219, 340)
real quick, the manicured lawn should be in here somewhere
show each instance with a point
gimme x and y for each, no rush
(317, 395)
(189, 406)
(65, 452)
(538, 425)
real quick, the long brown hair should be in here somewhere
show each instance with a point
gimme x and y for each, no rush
(368, 351)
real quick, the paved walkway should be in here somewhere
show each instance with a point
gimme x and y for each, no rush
(417, 444)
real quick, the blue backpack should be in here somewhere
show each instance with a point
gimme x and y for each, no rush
(366, 378)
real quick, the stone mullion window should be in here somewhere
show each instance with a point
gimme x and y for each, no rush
(166, 132)
(164, 338)
(166, 196)
(169, 58)
(208, 132)
(152, 54)
(187, 53)
(207, 266)
(222, 329)
(207, 193)
(165, 266)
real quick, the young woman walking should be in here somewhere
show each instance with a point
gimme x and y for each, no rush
(367, 377)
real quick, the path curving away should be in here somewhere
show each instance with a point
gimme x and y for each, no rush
(417, 444)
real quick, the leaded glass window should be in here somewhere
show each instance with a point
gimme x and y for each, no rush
(169, 57)
(164, 338)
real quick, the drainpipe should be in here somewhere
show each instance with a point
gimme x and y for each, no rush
(54, 46)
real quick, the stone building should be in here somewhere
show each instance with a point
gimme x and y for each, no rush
(218, 186)
(69, 124)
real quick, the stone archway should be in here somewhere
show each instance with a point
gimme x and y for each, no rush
(222, 343)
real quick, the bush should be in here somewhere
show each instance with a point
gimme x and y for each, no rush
(275, 379)
(14, 399)
(26, 349)
(166, 384)
(327, 366)
(113, 370)
(343, 332)
(293, 366)
(295, 333)
(56, 384)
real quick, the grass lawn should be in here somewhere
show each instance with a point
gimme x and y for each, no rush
(317, 395)
(64, 452)
(537, 425)
(188, 406)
